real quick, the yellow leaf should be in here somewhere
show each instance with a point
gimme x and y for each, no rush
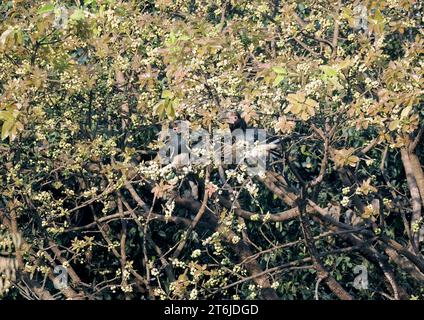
(311, 102)
(304, 116)
(393, 125)
(295, 108)
(344, 157)
(352, 161)
(405, 112)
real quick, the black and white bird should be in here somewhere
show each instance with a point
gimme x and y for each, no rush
(250, 146)
(177, 157)
(176, 150)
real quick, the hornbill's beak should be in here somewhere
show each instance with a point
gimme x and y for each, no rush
(224, 118)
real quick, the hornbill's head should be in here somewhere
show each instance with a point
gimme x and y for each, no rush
(179, 126)
(234, 120)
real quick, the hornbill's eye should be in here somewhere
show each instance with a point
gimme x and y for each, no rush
(179, 126)
(234, 120)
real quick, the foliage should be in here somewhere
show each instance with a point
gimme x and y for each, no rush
(86, 86)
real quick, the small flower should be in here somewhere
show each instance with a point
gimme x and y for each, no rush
(254, 217)
(252, 189)
(267, 217)
(235, 239)
(345, 201)
(193, 294)
(416, 226)
(275, 285)
(127, 288)
(236, 268)
(369, 162)
(158, 291)
(346, 190)
(387, 202)
(169, 208)
(196, 253)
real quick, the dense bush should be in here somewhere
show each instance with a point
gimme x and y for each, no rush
(87, 87)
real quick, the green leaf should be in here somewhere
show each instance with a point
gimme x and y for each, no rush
(77, 15)
(279, 70)
(335, 83)
(6, 129)
(19, 37)
(159, 108)
(329, 71)
(378, 17)
(184, 37)
(170, 111)
(304, 151)
(167, 94)
(6, 115)
(46, 8)
(278, 80)
(171, 40)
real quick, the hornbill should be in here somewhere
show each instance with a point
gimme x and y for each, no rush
(177, 139)
(249, 144)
